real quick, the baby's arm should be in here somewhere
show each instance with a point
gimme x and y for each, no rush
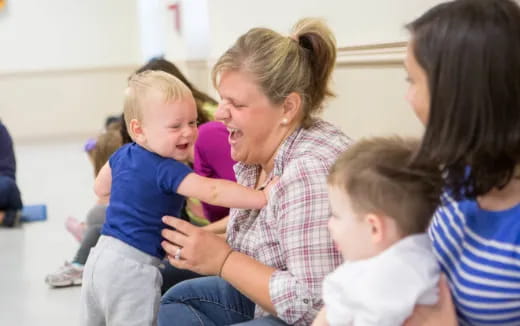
(321, 319)
(103, 181)
(221, 192)
(218, 227)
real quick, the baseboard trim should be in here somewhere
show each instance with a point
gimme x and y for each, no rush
(66, 71)
(372, 54)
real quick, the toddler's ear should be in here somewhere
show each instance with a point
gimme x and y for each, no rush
(136, 131)
(376, 227)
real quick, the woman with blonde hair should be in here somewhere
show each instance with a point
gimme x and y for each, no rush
(272, 265)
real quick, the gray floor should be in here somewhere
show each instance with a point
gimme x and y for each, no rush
(59, 175)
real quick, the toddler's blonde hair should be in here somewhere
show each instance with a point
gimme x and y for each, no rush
(140, 85)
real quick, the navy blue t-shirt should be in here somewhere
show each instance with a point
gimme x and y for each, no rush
(7, 159)
(144, 187)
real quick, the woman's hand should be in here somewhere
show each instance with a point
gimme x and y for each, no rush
(202, 252)
(321, 318)
(442, 313)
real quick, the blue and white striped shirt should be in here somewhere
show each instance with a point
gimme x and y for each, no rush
(479, 251)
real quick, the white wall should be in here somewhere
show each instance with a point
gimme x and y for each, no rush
(159, 34)
(371, 101)
(196, 29)
(61, 103)
(57, 34)
(370, 84)
(64, 63)
(152, 27)
(354, 22)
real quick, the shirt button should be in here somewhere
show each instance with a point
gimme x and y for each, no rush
(306, 301)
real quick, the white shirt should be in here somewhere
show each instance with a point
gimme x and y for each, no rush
(383, 290)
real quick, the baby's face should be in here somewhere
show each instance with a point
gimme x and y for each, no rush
(351, 233)
(170, 128)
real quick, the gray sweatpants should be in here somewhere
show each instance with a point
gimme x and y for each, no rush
(121, 285)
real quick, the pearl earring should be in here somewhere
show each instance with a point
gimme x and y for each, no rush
(284, 121)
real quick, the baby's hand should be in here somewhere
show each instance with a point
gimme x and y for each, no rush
(267, 189)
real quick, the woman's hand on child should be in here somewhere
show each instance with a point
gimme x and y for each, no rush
(442, 313)
(201, 251)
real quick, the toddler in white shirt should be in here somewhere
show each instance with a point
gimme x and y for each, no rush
(381, 207)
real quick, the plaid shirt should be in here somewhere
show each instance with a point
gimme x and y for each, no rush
(290, 233)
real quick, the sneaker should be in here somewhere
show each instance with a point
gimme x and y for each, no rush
(68, 275)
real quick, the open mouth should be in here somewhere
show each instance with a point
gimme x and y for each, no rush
(182, 146)
(234, 134)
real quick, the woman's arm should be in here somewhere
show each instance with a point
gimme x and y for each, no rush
(221, 192)
(443, 313)
(250, 277)
(206, 253)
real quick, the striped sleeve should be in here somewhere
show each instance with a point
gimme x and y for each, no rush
(480, 253)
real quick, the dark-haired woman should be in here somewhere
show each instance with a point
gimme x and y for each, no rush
(463, 63)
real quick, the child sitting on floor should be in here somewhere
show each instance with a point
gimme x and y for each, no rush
(381, 207)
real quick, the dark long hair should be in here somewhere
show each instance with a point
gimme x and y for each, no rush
(470, 51)
(200, 97)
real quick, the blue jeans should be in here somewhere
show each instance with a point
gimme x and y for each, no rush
(10, 198)
(10, 201)
(208, 301)
(172, 276)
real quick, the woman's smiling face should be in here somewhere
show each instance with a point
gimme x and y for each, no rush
(252, 120)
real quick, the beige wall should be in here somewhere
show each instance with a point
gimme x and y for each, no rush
(64, 103)
(63, 64)
(369, 79)
(71, 86)
(61, 34)
(370, 87)
(354, 22)
(369, 83)
(71, 103)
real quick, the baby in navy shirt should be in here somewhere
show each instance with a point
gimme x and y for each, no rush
(147, 180)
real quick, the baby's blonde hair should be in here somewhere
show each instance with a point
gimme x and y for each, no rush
(140, 84)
